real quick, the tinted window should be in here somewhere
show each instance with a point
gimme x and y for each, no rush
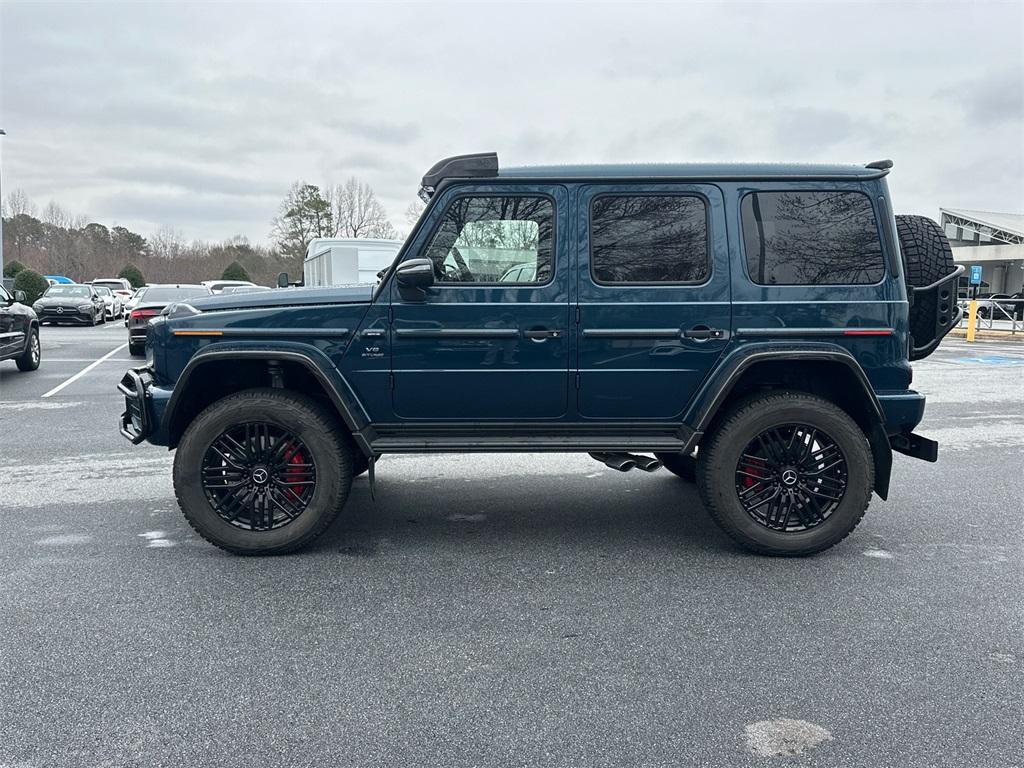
(171, 293)
(802, 238)
(482, 238)
(648, 239)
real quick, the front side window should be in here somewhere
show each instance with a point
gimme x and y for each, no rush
(811, 238)
(649, 239)
(490, 239)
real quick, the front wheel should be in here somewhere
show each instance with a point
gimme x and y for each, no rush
(263, 472)
(30, 358)
(787, 473)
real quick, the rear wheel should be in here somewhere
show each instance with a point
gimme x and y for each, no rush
(263, 472)
(30, 358)
(136, 350)
(679, 464)
(787, 473)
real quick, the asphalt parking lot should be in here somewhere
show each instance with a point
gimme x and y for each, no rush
(504, 610)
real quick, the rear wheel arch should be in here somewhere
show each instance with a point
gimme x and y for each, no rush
(213, 376)
(834, 376)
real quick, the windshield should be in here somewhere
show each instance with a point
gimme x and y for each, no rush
(114, 284)
(68, 291)
(174, 293)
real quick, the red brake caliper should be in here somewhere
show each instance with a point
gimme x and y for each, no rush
(294, 473)
(754, 469)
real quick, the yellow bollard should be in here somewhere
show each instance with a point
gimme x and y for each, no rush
(972, 319)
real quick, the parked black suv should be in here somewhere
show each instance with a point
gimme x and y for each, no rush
(752, 326)
(19, 331)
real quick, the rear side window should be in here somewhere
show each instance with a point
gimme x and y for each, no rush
(811, 238)
(649, 239)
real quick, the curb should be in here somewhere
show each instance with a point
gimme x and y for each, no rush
(986, 335)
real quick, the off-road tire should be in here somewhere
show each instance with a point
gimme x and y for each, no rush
(720, 454)
(680, 465)
(330, 447)
(136, 350)
(927, 256)
(29, 359)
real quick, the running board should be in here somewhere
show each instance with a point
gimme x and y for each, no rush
(589, 443)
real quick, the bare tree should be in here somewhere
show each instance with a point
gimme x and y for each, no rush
(358, 212)
(168, 243)
(56, 216)
(414, 211)
(19, 203)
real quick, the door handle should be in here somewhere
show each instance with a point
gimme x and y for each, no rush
(539, 334)
(703, 333)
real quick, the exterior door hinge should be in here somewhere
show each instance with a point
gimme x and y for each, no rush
(577, 314)
(577, 381)
(391, 381)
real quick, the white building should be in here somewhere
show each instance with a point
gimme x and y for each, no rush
(993, 240)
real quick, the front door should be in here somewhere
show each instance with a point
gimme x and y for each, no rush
(12, 336)
(488, 342)
(654, 297)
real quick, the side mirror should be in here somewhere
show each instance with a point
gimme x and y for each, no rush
(415, 275)
(282, 279)
(19, 296)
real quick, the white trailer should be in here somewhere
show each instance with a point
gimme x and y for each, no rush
(344, 261)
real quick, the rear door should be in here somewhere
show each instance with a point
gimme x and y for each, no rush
(488, 342)
(654, 297)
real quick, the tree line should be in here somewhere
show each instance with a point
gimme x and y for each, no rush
(55, 242)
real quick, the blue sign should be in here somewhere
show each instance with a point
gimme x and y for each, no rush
(976, 274)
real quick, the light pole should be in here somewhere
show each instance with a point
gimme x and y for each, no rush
(2, 133)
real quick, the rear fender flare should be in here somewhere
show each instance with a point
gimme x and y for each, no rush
(716, 390)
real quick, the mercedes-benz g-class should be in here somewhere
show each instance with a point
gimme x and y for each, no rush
(748, 327)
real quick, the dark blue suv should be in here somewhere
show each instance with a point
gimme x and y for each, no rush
(748, 327)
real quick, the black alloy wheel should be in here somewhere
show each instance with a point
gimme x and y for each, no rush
(791, 477)
(786, 473)
(258, 476)
(263, 471)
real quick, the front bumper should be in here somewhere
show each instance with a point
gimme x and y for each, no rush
(51, 315)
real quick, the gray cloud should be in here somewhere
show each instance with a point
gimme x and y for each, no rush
(201, 116)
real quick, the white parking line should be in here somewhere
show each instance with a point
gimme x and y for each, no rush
(84, 371)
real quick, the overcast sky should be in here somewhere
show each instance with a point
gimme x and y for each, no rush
(199, 117)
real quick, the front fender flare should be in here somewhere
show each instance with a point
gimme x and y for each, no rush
(339, 391)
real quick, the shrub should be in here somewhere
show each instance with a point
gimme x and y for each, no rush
(133, 275)
(32, 283)
(235, 271)
(12, 268)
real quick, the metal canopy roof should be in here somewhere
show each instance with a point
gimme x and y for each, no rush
(1005, 227)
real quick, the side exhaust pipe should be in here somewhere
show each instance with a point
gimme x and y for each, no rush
(623, 462)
